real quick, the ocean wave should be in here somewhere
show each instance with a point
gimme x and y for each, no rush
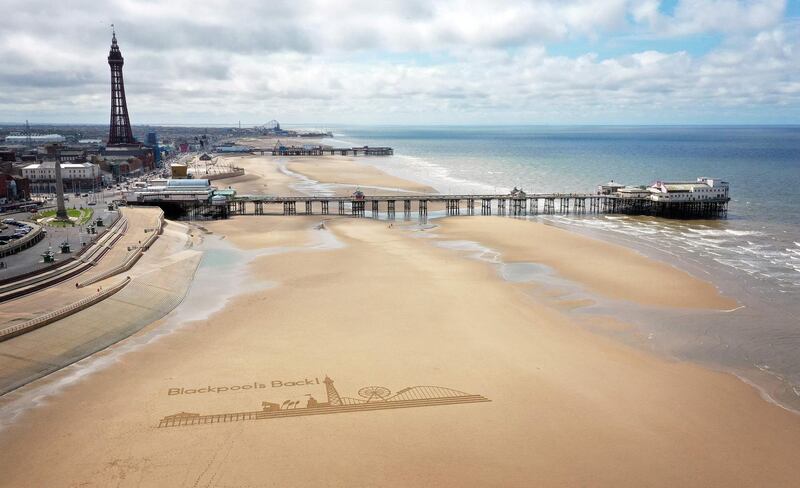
(435, 175)
(744, 232)
(764, 254)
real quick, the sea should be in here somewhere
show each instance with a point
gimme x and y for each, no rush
(752, 255)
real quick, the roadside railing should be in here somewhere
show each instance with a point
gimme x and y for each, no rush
(61, 313)
(131, 259)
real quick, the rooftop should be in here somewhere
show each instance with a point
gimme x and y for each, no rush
(173, 183)
(52, 164)
(683, 185)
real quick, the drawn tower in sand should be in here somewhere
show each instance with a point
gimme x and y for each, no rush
(333, 395)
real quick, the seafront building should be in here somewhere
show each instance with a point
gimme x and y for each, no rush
(171, 190)
(76, 176)
(35, 139)
(13, 188)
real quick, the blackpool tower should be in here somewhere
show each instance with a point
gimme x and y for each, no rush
(120, 132)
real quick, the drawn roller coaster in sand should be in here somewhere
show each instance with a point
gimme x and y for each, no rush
(372, 398)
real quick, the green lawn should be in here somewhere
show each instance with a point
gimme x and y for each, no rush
(82, 215)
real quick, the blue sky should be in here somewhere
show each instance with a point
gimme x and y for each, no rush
(407, 62)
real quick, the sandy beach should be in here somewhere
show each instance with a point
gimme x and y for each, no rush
(349, 172)
(279, 303)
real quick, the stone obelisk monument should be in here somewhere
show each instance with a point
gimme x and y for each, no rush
(61, 211)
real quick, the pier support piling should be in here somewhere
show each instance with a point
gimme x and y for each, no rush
(486, 206)
(518, 207)
(423, 209)
(357, 208)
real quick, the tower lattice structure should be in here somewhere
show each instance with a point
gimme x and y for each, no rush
(120, 131)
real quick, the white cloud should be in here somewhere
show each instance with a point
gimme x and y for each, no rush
(710, 16)
(419, 61)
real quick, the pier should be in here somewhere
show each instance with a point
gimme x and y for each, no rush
(390, 206)
(319, 150)
(196, 200)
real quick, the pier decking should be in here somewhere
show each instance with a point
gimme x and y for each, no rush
(389, 206)
(317, 150)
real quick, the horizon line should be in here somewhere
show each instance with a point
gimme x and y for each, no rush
(340, 124)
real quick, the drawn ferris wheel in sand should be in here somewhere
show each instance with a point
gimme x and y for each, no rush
(374, 393)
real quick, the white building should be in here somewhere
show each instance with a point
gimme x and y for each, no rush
(704, 189)
(36, 139)
(76, 176)
(198, 190)
(634, 192)
(609, 188)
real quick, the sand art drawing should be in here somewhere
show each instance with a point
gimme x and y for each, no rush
(372, 398)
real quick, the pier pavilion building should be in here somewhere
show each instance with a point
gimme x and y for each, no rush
(689, 191)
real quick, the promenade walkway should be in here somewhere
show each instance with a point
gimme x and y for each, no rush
(60, 295)
(159, 281)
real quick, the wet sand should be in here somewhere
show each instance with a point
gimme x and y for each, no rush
(605, 269)
(385, 307)
(348, 171)
(274, 176)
